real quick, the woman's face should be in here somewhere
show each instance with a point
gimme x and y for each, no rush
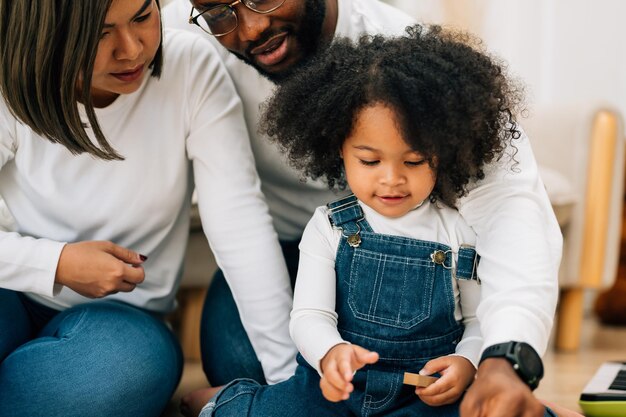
(130, 39)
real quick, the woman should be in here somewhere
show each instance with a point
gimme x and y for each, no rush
(105, 128)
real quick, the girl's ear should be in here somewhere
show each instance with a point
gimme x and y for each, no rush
(341, 153)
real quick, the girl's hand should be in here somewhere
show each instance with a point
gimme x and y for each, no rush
(338, 368)
(98, 268)
(457, 373)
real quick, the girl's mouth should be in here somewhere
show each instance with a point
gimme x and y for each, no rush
(388, 199)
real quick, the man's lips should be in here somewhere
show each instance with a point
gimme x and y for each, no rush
(271, 52)
(129, 75)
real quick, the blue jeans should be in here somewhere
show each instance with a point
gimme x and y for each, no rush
(226, 350)
(299, 396)
(102, 358)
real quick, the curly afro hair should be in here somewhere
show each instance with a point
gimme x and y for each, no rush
(454, 105)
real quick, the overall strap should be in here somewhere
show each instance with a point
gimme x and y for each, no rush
(346, 214)
(344, 210)
(467, 262)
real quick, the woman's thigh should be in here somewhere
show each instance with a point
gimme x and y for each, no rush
(97, 359)
(15, 325)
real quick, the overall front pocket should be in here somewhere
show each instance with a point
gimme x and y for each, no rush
(391, 290)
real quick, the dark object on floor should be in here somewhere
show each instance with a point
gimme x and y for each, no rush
(611, 304)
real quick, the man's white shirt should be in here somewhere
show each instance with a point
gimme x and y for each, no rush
(518, 237)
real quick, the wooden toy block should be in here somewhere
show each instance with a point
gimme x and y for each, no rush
(418, 380)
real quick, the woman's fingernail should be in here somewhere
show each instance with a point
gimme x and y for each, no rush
(143, 258)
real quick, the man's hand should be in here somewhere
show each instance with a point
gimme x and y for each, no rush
(499, 392)
(338, 368)
(457, 373)
(96, 269)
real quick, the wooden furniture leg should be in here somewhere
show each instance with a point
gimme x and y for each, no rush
(570, 317)
(191, 313)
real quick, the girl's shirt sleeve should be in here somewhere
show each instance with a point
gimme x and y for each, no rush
(313, 318)
(519, 241)
(234, 214)
(27, 264)
(470, 346)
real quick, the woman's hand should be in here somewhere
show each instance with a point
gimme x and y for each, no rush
(98, 268)
(338, 368)
(457, 373)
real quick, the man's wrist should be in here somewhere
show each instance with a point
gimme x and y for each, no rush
(495, 365)
(521, 358)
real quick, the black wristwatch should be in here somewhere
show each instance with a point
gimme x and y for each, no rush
(525, 360)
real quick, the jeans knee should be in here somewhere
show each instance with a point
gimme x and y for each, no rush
(235, 399)
(114, 356)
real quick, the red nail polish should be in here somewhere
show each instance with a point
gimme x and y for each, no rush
(143, 257)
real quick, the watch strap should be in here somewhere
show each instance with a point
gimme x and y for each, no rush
(500, 350)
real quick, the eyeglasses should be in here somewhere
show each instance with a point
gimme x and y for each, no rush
(221, 19)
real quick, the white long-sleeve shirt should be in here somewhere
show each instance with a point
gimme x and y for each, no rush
(518, 237)
(183, 129)
(313, 323)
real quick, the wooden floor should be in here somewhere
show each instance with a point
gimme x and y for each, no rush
(566, 373)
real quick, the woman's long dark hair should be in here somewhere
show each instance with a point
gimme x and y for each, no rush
(46, 46)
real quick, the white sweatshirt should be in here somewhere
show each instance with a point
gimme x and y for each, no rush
(183, 129)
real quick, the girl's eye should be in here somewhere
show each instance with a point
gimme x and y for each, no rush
(368, 163)
(103, 35)
(415, 163)
(143, 18)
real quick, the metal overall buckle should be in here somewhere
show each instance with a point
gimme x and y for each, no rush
(354, 240)
(439, 257)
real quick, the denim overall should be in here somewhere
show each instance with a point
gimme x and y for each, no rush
(395, 297)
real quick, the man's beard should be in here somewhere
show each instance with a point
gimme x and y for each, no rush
(308, 39)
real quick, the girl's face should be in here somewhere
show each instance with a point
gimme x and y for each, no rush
(129, 42)
(382, 170)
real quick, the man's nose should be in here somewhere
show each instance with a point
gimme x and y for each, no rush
(251, 25)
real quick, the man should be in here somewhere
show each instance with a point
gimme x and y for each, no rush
(262, 42)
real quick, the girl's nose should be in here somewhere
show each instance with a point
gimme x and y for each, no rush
(393, 176)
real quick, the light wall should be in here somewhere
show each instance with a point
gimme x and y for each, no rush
(567, 52)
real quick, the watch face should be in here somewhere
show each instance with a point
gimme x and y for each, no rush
(529, 361)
